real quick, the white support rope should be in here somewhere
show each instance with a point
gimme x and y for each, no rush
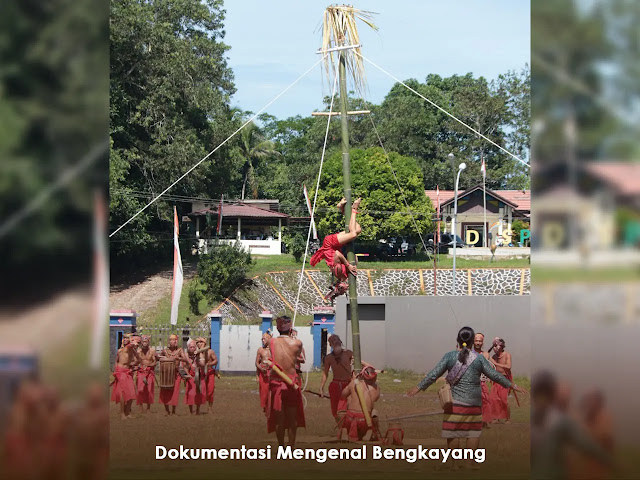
(404, 198)
(443, 110)
(215, 149)
(315, 198)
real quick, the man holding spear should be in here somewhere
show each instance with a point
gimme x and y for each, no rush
(285, 410)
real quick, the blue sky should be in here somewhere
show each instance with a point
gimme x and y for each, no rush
(274, 41)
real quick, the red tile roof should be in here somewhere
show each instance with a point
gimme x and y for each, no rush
(241, 210)
(623, 177)
(521, 198)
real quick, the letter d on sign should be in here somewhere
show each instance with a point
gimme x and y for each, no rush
(161, 452)
(474, 234)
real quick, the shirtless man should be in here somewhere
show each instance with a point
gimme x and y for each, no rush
(339, 362)
(331, 254)
(146, 378)
(285, 410)
(354, 420)
(196, 384)
(124, 391)
(478, 343)
(169, 396)
(501, 359)
(262, 369)
(210, 369)
(302, 358)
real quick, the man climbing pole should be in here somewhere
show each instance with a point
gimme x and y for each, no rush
(331, 253)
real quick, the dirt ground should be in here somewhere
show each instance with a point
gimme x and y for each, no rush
(238, 420)
(144, 292)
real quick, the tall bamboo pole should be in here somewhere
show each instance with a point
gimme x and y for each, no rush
(346, 174)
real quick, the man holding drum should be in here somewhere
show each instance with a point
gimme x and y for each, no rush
(170, 359)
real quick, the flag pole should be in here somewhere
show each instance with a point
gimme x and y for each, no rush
(484, 201)
(437, 243)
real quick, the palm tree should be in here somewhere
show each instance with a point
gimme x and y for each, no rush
(254, 148)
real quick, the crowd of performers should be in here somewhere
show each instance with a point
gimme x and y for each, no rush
(135, 375)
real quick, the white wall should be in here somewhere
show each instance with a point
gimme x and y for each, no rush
(255, 247)
(239, 344)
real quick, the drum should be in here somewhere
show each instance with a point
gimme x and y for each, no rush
(167, 377)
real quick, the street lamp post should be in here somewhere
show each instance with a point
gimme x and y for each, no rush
(461, 167)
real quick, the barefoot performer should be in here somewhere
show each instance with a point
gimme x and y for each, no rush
(124, 390)
(339, 362)
(169, 396)
(498, 398)
(331, 254)
(262, 369)
(146, 377)
(284, 407)
(210, 368)
(360, 394)
(195, 384)
(478, 342)
(464, 419)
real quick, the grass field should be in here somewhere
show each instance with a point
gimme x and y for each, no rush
(540, 275)
(238, 420)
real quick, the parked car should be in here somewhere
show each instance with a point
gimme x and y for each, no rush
(446, 242)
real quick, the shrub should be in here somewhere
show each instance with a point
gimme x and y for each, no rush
(222, 271)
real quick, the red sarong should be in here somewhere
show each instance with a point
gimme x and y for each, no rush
(263, 386)
(191, 395)
(338, 404)
(355, 424)
(499, 400)
(486, 403)
(170, 396)
(330, 245)
(123, 386)
(281, 396)
(146, 393)
(211, 384)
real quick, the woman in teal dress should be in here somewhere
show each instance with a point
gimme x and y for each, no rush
(465, 367)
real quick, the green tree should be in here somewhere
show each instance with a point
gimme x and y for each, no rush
(383, 212)
(222, 271)
(170, 90)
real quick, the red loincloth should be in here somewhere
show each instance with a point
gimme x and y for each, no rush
(355, 424)
(263, 385)
(170, 396)
(338, 404)
(486, 403)
(330, 245)
(211, 384)
(280, 396)
(123, 386)
(191, 395)
(19, 455)
(146, 393)
(499, 400)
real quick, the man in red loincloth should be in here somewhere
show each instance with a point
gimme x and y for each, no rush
(354, 421)
(478, 343)
(124, 390)
(146, 377)
(285, 410)
(339, 362)
(262, 369)
(331, 253)
(169, 397)
(210, 368)
(196, 384)
(499, 395)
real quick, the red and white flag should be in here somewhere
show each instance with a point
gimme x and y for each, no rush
(100, 281)
(438, 211)
(219, 229)
(483, 169)
(313, 222)
(177, 271)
